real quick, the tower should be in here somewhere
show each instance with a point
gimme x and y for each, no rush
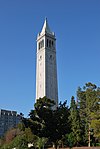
(46, 69)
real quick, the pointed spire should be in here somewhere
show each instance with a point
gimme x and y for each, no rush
(46, 28)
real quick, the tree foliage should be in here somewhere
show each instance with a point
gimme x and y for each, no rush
(49, 123)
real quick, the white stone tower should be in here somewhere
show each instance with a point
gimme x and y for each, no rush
(46, 71)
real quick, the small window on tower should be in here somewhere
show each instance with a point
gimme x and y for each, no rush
(50, 56)
(42, 43)
(39, 45)
(47, 42)
(52, 43)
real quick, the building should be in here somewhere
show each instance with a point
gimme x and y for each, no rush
(46, 69)
(8, 119)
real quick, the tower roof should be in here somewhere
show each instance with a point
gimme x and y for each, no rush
(46, 28)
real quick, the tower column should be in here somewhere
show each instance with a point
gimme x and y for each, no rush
(46, 70)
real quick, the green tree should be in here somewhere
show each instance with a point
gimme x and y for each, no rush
(75, 121)
(41, 116)
(22, 140)
(48, 123)
(41, 142)
(88, 102)
(60, 123)
(70, 139)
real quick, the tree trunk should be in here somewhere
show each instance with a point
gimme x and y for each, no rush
(55, 145)
(89, 139)
(62, 144)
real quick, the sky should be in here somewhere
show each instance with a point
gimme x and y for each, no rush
(76, 24)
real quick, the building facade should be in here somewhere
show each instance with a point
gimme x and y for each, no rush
(8, 119)
(46, 69)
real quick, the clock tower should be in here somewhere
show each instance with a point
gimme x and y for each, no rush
(46, 68)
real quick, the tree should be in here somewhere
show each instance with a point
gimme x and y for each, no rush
(60, 123)
(15, 138)
(48, 123)
(88, 102)
(40, 117)
(22, 140)
(75, 122)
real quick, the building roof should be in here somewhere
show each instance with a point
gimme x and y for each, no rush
(46, 28)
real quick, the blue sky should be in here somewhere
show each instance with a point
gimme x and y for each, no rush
(76, 24)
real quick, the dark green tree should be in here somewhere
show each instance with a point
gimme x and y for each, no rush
(41, 117)
(59, 124)
(48, 123)
(75, 122)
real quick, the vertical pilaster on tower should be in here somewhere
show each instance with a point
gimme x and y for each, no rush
(46, 69)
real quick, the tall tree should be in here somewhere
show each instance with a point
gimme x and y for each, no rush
(88, 101)
(75, 122)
